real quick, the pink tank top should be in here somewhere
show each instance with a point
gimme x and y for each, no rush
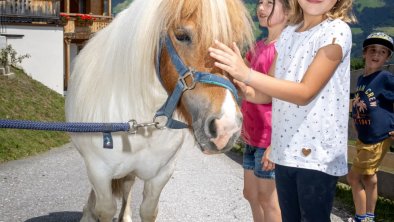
(256, 128)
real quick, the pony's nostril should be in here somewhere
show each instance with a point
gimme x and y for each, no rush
(212, 128)
(222, 130)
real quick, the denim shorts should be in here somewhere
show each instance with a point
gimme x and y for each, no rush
(252, 161)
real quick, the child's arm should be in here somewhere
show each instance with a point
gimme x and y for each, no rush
(391, 133)
(248, 93)
(252, 95)
(351, 117)
(316, 77)
(266, 163)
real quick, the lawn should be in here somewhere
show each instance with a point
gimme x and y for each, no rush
(23, 98)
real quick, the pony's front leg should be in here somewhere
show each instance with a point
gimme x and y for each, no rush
(105, 208)
(88, 210)
(125, 214)
(151, 194)
(101, 203)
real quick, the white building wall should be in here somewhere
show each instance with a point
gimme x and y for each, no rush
(45, 46)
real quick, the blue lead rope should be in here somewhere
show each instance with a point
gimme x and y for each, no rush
(105, 128)
(65, 126)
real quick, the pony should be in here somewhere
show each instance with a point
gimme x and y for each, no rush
(125, 71)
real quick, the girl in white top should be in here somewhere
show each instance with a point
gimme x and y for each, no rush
(310, 97)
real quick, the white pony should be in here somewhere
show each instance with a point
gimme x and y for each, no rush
(115, 80)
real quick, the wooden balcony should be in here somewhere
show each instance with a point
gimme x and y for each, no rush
(72, 29)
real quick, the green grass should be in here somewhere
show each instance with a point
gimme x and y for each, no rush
(121, 6)
(384, 210)
(24, 98)
(388, 30)
(357, 31)
(257, 31)
(361, 4)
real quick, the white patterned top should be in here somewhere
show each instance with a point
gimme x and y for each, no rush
(313, 136)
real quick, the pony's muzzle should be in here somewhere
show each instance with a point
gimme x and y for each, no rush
(223, 131)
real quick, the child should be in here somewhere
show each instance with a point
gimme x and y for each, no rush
(259, 185)
(310, 96)
(372, 111)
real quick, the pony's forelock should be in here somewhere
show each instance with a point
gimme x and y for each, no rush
(217, 20)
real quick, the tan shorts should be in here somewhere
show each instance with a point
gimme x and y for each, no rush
(369, 156)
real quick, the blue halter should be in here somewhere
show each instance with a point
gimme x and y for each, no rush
(166, 111)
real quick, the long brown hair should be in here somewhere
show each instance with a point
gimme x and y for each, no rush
(286, 8)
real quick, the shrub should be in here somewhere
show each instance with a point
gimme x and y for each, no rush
(8, 57)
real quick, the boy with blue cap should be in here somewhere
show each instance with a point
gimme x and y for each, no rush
(373, 115)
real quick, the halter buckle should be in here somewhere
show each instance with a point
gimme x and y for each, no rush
(182, 79)
(160, 121)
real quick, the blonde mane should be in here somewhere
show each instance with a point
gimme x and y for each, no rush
(114, 77)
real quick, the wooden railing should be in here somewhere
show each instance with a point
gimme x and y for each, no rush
(42, 8)
(74, 31)
(99, 23)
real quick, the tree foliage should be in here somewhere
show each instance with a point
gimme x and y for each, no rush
(356, 63)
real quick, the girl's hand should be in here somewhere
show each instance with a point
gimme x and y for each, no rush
(266, 163)
(245, 91)
(391, 135)
(250, 94)
(229, 60)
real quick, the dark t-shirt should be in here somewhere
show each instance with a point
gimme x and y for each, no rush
(372, 107)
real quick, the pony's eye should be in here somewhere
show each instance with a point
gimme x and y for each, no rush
(183, 37)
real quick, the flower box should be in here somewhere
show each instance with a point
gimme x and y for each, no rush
(84, 20)
(64, 18)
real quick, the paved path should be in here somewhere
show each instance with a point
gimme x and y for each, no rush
(53, 187)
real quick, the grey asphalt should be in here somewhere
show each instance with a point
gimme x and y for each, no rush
(53, 187)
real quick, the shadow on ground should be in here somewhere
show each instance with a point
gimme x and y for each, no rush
(65, 216)
(237, 157)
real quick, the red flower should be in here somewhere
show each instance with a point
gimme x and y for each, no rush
(64, 18)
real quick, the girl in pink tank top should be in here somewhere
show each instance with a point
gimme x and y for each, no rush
(259, 184)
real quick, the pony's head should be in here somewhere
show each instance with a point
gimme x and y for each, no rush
(116, 71)
(192, 26)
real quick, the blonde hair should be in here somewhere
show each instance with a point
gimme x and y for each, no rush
(341, 10)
